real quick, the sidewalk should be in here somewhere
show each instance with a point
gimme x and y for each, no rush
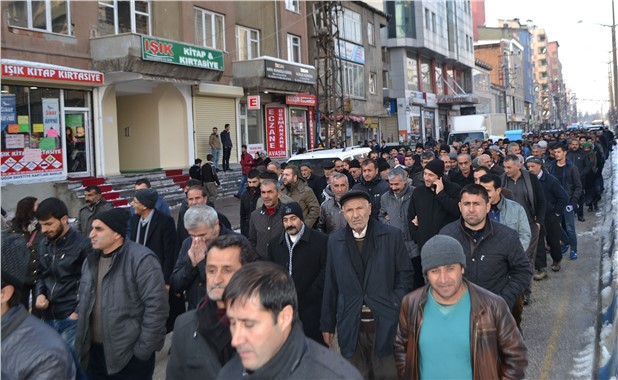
(230, 207)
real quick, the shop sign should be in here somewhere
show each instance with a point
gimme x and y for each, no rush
(29, 163)
(302, 100)
(311, 127)
(252, 149)
(275, 132)
(55, 73)
(351, 52)
(458, 99)
(253, 102)
(176, 53)
(289, 72)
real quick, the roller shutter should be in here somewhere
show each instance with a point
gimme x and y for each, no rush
(210, 112)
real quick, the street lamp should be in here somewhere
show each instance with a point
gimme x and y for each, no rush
(615, 62)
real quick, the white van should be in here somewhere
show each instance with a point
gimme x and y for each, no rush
(317, 157)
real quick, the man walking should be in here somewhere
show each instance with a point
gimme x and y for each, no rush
(372, 184)
(226, 140)
(331, 216)
(495, 259)
(94, 204)
(443, 323)
(195, 172)
(302, 252)
(246, 164)
(296, 188)
(367, 264)
(122, 303)
(215, 147)
(60, 256)
(248, 200)
(210, 179)
(580, 159)
(201, 343)
(265, 222)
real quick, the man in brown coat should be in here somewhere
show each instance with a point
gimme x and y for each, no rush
(452, 321)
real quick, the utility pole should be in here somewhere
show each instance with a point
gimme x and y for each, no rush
(329, 72)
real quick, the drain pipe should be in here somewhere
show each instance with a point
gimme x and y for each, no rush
(277, 28)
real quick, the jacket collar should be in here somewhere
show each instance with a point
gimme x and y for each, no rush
(69, 236)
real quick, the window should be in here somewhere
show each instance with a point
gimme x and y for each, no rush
(293, 48)
(47, 15)
(433, 22)
(353, 80)
(292, 5)
(117, 16)
(209, 29)
(371, 38)
(426, 75)
(248, 43)
(350, 26)
(439, 80)
(373, 83)
(427, 19)
(412, 74)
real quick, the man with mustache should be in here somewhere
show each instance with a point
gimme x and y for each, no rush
(94, 205)
(302, 252)
(201, 343)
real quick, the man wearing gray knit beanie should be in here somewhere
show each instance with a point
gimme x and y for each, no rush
(440, 323)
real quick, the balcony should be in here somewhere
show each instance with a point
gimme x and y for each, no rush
(124, 53)
(274, 74)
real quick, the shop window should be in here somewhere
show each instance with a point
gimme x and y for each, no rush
(248, 43)
(298, 125)
(292, 5)
(47, 15)
(209, 29)
(293, 48)
(75, 98)
(118, 16)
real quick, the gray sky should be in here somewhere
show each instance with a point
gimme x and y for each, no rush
(585, 48)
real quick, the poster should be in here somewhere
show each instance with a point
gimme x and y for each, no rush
(24, 123)
(8, 110)
(51, 117)
(47, 143)
(275, 131)
(15, 141)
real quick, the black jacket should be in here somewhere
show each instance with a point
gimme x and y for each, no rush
(201, 344)
(195, 172)
(299, 358)
(535, 199)
(60, 269)
(434, 211)
(579, 158)
(375, 188)
(387, 278)
(457, 177)
(263, 228)
(161, 239)
(556, 198)
(570, 180)
(187, 278)
(496, 262)
(248, 203)
(209, 174)
(308, 266)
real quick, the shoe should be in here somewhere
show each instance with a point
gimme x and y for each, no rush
(218, 170)
(573, 255)
(581, 218)
(596, 206)
(526, 300)
(237, 196)
(555, 267)
(565, 248)
(590, 208)
(540, 274)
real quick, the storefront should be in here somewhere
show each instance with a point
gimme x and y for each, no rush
(47, 122)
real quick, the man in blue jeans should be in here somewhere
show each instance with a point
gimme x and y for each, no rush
(569, 178)
(61, 256)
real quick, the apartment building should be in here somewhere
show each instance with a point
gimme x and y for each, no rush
(109, 87)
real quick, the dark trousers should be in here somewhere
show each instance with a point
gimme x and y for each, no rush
(419, 279)
(580, 206)
(550, 232)
(368, 364)
(134, 370)
(227, 152)
(531, 251)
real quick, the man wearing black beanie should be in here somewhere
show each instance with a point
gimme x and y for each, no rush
(433, 206)
(123, 303)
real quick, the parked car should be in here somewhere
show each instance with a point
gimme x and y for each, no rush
(317, 157)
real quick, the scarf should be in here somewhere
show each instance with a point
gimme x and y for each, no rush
(291, 246)
(214, 330)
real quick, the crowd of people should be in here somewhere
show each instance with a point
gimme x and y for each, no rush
(383, 267)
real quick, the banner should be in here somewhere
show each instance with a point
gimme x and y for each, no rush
(158, 50)
(51, 117)
(275, 132)
(32, 163)
(311, 128)
(8, 110)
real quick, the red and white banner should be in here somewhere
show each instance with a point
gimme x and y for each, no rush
(302, 100)
(311, 128)
(32, 163)
(276, 142)
(30, 70)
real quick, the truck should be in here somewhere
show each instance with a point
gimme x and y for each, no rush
(469, 128)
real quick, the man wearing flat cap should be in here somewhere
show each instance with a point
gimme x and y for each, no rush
(302, 252)
(30, 348)
(155, 230)
(122, 303)
(433, 206)
(450, 317)
(367, 274)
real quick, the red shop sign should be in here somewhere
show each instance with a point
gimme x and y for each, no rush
(53, 73)
(276, 144)
(311, 125)
(302, 100)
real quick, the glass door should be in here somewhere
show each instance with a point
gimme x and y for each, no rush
(78, 138)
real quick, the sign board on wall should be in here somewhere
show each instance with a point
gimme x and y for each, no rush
(351, 52)
(302, 100)
(276, 142)
(252, 149)
(176, 53)
(253, 102)
(289, 72)
(51, 73)
(311, 127)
